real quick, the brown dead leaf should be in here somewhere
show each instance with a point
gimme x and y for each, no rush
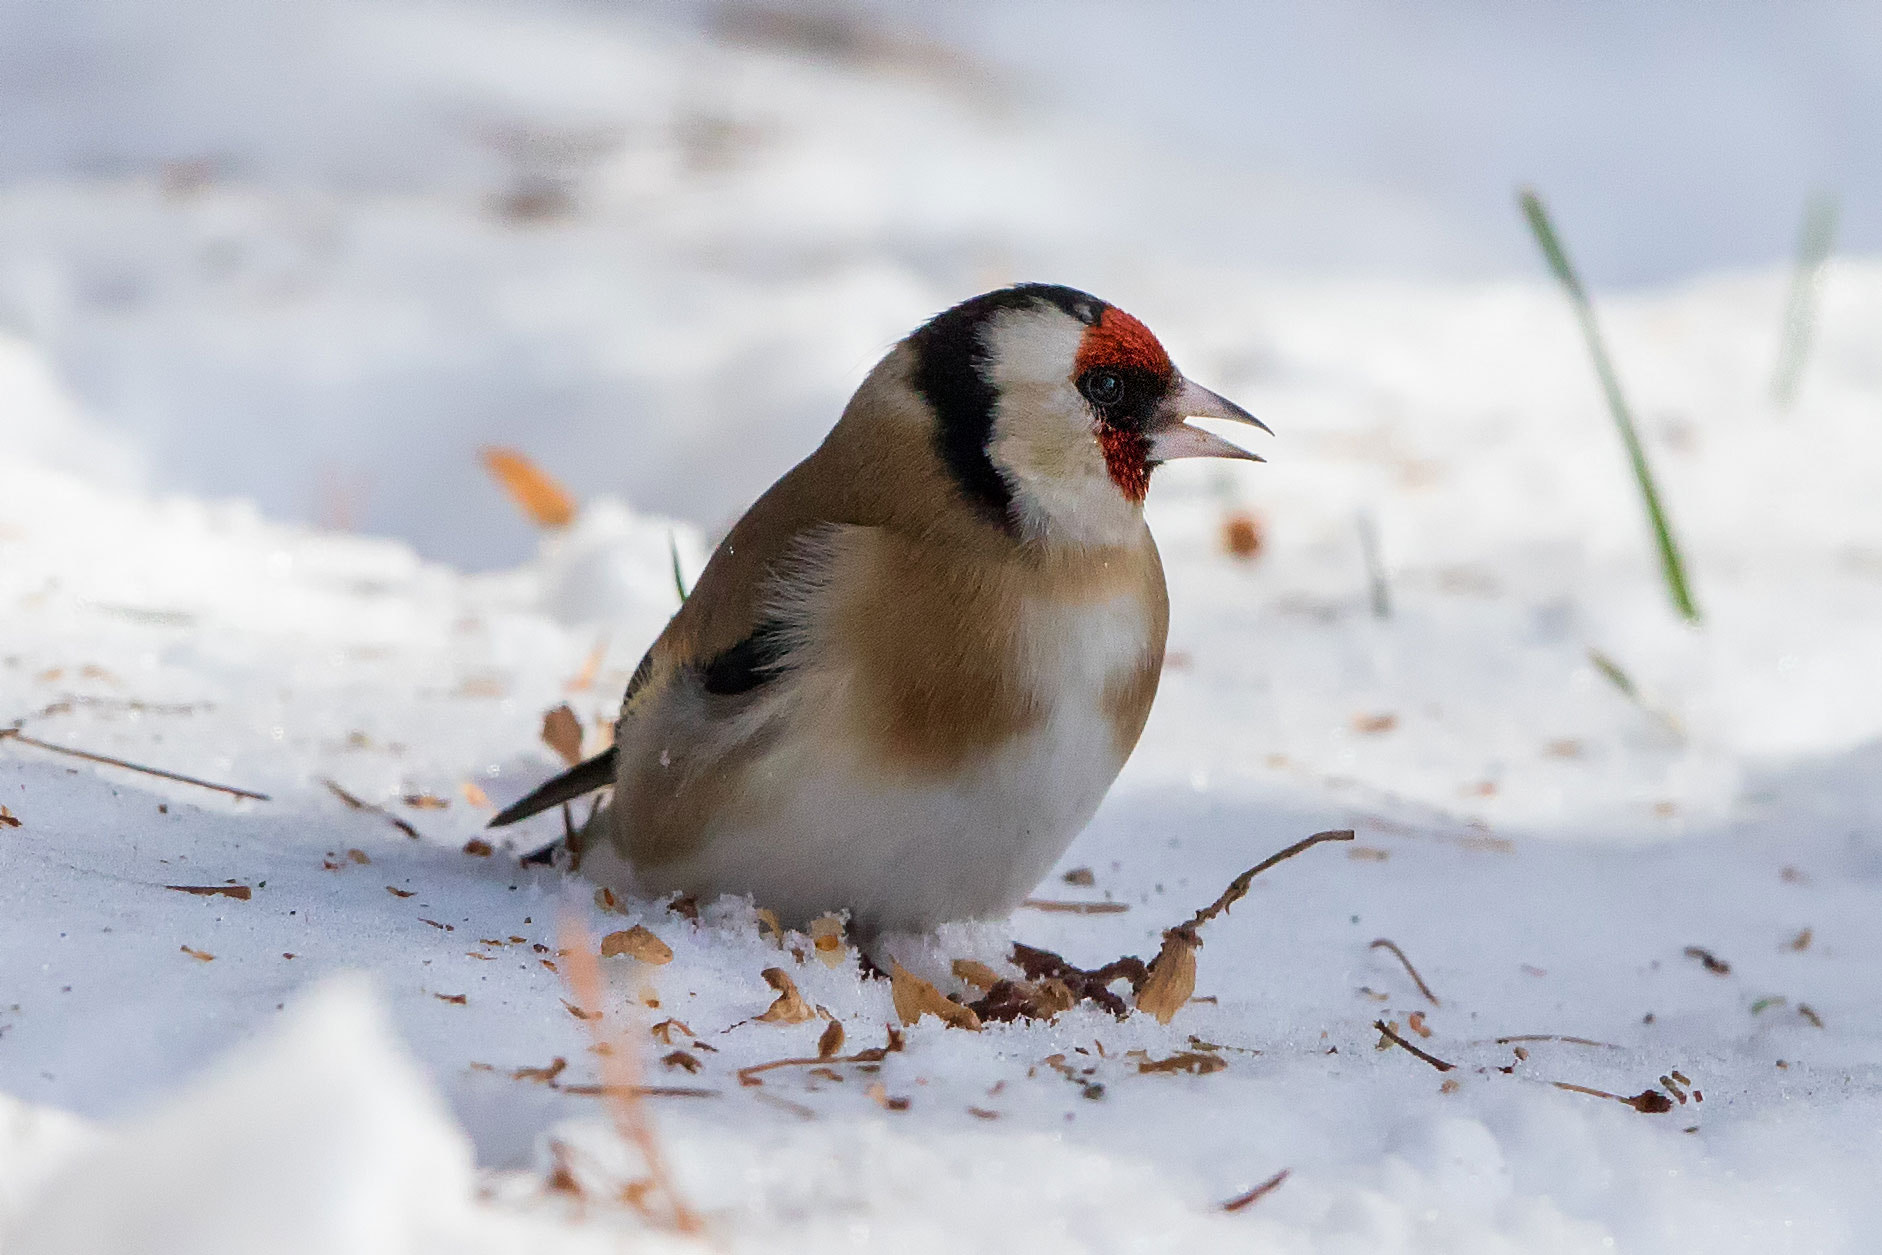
(8, 819)
(562, 732)
(240, 893)
(680, 1059)
(532, 491)
(1416, 1022)
(1241, 535)
(201, 955)
(425, 801)
(638, 942)
(1800, 942)
(664, 1030)
(915, 997)
(976, 973)
(360, 857)
(1194, 1062)
(400, 893)
(454, 999)
(578, 1013)
(1079, 876)
(789, 1006)
(831, 1040)
(477, 847)
(826, 939)
(542, 1076)
(474, 795)
(1172, 978)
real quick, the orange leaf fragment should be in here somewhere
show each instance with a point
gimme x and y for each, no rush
(914, 997)
(638, 942)
(1172, 978)
(562, 732)
(202, 955)
(789, 1006)
(546, 502)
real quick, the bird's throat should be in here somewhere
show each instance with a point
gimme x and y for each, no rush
(1127, 457)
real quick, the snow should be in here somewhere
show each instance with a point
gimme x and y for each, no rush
(1543, 848)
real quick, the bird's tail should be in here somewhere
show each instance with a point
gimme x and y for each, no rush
(584, 777)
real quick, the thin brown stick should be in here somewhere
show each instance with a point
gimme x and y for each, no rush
(1648, 1102)
(1396, 1040)
(1387, 943)
(360, 804)
(1573, 1041)
(620, 1068)
(1260, 1192)
(14, 734)
(875, 1054)
(241, 893)
(636, 1091)
(1238, 887)
(1076, 908)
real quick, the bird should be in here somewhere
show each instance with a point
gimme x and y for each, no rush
(910, 672)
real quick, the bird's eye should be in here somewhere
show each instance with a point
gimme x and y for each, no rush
(1104, 387)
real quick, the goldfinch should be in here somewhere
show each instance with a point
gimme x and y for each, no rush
(908, 675)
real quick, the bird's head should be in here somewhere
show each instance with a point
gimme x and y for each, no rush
(1051, 409)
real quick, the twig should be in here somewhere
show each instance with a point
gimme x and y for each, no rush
(1672, 566)
(1385, 943)
(1573, 1041)
(636, 1091)
(1076, 908)
(1260, 1192)
(1814, 243)
(1238, 887)
(1648, 1102)
(619, 1064)
(15, 734)
(1396, 1040)
(360, 804)
(875, 1054)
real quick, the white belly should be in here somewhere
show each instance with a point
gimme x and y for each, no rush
(908, 853)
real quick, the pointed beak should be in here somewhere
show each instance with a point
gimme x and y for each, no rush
(1172, 438)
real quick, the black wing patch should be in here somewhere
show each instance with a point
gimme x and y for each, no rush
(754, 661)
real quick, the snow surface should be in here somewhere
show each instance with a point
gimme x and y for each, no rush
(1543, 847)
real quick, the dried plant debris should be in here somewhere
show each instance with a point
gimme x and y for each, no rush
(638, 942)
(826, 940)
(915, 997)
(830, 1040)
(1194, 1062)
(789, 1006)
(1799, 943)
(1388, 1036)
(240, 893)
(355, 803)
(873, 1055)
(1648, 1101)
(8, 819)
(1080, 876)
(562, 732)
(1260, 1192)
(1385, 943)
(202, 956)
(1075, 908)
(1710, 961)
(532, 491)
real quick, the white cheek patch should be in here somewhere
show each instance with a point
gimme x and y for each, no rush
(1042, 441)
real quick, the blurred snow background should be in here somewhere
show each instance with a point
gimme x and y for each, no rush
(270, 275)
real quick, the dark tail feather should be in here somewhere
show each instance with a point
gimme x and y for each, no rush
(596, 773)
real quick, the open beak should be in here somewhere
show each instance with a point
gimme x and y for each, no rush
(1172, 438)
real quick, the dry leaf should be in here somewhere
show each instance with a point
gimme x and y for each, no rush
(769, 925)
(203, 955)
(400, 893)
(664, 1030)
(8, 819)
(915, 997)
(1194, 1062)
(455, 999)
(477, 847)
(241, 893)
(578, 1013)
(538, 496)
(831, 1041)
(1172, 978)
(1241, 535)
(789, 1007)
(637, 942)
(543, 1076)
(826, 939)
(607, 901)
(680, 1059)
(1079, 876)
(562, 732)
(1373, 725)
(425, 801)
(974, 972)
(474, 795)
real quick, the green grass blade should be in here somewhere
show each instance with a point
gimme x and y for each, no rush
(1814, 244)
(679, 581)
(1672, 566)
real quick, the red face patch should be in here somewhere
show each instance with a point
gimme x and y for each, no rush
(1127, 458)
(1120, 341)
